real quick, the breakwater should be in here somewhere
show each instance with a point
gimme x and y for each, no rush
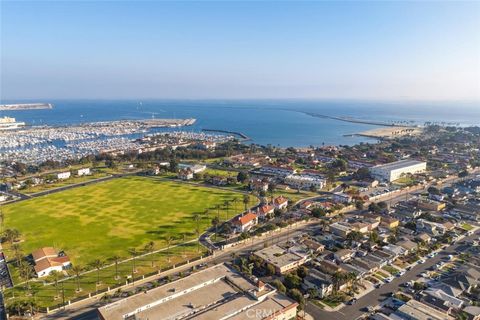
(25, 106)
(238, 134)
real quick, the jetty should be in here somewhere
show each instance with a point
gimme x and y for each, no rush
(354, 120)
(25, 106)
(238, 134)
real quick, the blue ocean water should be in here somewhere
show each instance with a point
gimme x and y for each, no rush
(276, 122)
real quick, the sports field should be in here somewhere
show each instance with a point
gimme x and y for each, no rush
(108, 218)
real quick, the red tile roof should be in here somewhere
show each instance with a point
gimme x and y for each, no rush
(246, 218)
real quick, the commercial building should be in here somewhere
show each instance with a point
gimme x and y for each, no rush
(300, 181)
(214, 293)
(395, 170)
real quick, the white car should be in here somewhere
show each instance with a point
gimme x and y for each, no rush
(388, 280)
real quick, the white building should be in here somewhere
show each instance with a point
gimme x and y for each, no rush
(83, 172)
(304, 181)
(195, 168)
(394, 170)
(47, 260)
(63, 175)
(341, 197)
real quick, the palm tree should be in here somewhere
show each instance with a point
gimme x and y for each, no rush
(77, 270)
(235, 201)
(17, 252)
(2, 220)
(26, 272)
(246, 201)
(169, 240)
(134, 254)
(98, 264)
(338, 279)
(55, 275)
(115, 259)
(215, 223)
(149, 248)
(197, 231)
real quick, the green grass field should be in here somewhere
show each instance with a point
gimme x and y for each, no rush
(106, 219)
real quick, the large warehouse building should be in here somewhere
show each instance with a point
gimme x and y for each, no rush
(394, 170)
(214, 293)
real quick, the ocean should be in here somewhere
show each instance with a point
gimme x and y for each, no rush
(276, 122)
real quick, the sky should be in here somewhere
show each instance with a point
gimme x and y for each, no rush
(253, 49)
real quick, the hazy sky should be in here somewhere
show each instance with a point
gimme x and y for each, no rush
(225, 49)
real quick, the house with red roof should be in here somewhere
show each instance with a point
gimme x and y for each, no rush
(280, 202)
(245, 222)
(265, 211)
(48, 259)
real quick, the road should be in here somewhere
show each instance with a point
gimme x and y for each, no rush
(349, 312)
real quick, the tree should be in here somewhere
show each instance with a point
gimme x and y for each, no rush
(115, 260)
(297, 296)
(11, 235)
(292, 281)
(215, 223)
(54, 276)
(359, 204)
(77, 270)
(270, 269)
(169, 240)
(338, 278)
(242, 177)
(173, 165)
(98, 265)
(279, 285)
(318, 212)
(302, 272)
(26, 272)
(271, 190)
(149, 249)
(433, 190)
(246, 201)
(134, 253)
(2, 220)
(373, 237)
(362, 174)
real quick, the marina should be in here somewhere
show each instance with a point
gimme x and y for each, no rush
(41, 143)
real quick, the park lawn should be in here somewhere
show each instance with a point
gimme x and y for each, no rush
(392, 270)
(223, 173)
(105, 219)
(294, 195)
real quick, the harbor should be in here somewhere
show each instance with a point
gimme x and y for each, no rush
(37, 144)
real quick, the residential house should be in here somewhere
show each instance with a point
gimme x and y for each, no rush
(265, 211)
(245, 222)
(185, 174)
(280, 202)
(47, 260)
(83, 172)
(343, 255)
(63, 175)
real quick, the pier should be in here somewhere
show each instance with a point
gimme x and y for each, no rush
(239, 134)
